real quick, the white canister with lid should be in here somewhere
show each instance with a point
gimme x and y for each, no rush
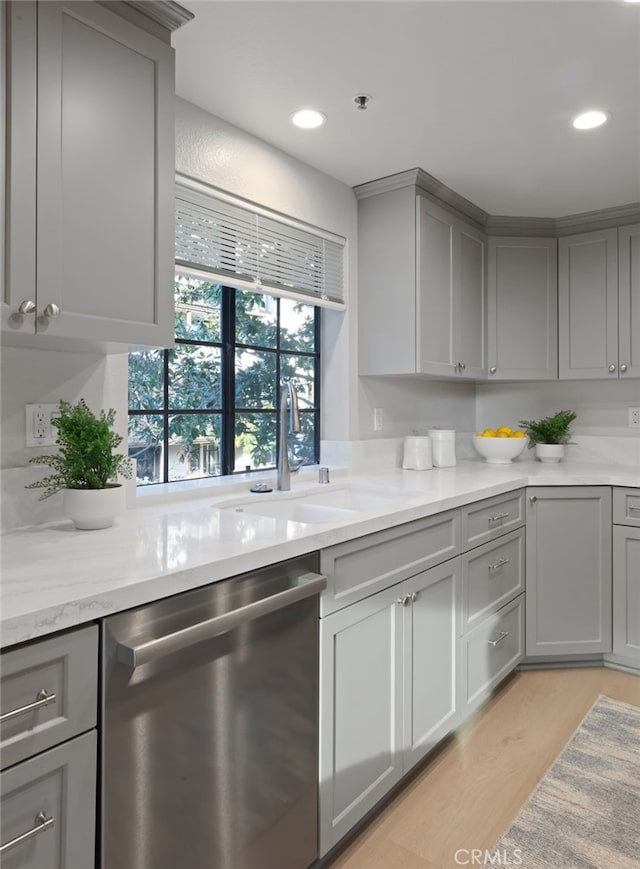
(443, 447)
(417, 454)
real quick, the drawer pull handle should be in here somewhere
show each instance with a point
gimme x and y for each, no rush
(633, 507)
(503, 636)
(43, 698)
(42, 823)
(500, 563)
(497, 517)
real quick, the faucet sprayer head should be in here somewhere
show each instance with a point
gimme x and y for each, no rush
(294, 414)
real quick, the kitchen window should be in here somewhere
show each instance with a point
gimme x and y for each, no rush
(209, 406)
(248, 291)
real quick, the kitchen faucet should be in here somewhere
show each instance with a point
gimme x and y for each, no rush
(289, 397)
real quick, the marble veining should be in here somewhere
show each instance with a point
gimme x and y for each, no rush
(55, 577)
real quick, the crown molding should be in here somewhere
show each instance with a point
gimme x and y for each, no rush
(429, 185)
(166, 13)
(604, 218)
(504, 225)
(500, 225)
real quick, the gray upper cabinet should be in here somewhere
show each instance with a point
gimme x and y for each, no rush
(568, 570)
(421, 288)
(90, 150)
(522, 309)
(588, 306)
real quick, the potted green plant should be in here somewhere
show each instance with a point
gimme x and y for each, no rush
(549, 435)
(86, 466)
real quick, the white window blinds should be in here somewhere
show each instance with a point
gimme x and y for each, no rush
(242, 246)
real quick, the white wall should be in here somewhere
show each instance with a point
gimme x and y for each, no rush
(601, 405)
(413, 405)
(217, 153)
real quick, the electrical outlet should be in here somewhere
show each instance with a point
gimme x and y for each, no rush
(634, 417)
(378, 417)
(39, 431)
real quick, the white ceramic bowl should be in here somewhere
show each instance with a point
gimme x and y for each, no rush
(499, 451)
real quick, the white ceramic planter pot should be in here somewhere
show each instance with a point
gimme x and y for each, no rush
(549, 452)
(91, 509)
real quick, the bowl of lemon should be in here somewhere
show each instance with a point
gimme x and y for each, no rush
(500, 446)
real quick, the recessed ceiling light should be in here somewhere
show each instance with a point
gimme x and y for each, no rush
(589, 120)
(308, 119)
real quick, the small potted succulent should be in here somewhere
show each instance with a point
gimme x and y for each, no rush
(549, 435)
(86, 466)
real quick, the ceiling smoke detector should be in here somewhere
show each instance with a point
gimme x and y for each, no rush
(362, 101)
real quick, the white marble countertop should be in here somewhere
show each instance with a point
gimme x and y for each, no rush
(55, 577)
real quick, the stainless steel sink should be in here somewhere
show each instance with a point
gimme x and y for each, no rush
(320, 506)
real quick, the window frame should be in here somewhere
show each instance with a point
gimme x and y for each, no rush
(228, 411)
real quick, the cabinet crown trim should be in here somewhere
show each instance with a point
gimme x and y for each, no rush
(501, 225)
(164, 12)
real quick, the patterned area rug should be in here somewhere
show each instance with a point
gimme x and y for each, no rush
(585, 813)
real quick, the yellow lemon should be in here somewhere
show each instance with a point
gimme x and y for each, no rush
(518, 434)
(504, 429)
(488, 433)
(502, 434)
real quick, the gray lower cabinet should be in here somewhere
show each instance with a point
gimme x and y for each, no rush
(626, 592)
(48, 808)
(626, 576)
(388, 669)
(568, 570)
(48, 742)
(401, 608)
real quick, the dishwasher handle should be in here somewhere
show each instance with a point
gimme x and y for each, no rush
(152, 650)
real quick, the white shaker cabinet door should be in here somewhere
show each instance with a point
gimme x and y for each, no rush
(629, 300)
(522, 304)
(91, 205)
(361, 711)
(626, 592)
(568, 570)
(588, 305)
(431, 650)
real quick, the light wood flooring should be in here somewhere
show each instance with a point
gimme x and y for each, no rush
(471, 790)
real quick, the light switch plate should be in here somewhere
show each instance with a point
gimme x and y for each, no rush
(634, 417)
(39, 431)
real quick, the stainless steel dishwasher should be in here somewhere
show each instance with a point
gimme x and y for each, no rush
(210, 726)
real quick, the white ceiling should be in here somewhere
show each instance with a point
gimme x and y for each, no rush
(479, 93)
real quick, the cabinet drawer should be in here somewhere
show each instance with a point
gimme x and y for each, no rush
(488, 519)
(56, 787)
(626, 507)
(492, 575)
(361, 567)
(491, 650)
(65, 668)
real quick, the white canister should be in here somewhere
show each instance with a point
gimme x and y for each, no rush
(443, 447)
(417, 454)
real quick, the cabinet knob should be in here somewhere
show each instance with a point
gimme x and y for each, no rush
(462, 365)
(51, 311)
(404, 601)
(612, 369)
(532, 499)
(27, 307)
(623, 368)
(493, 369)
